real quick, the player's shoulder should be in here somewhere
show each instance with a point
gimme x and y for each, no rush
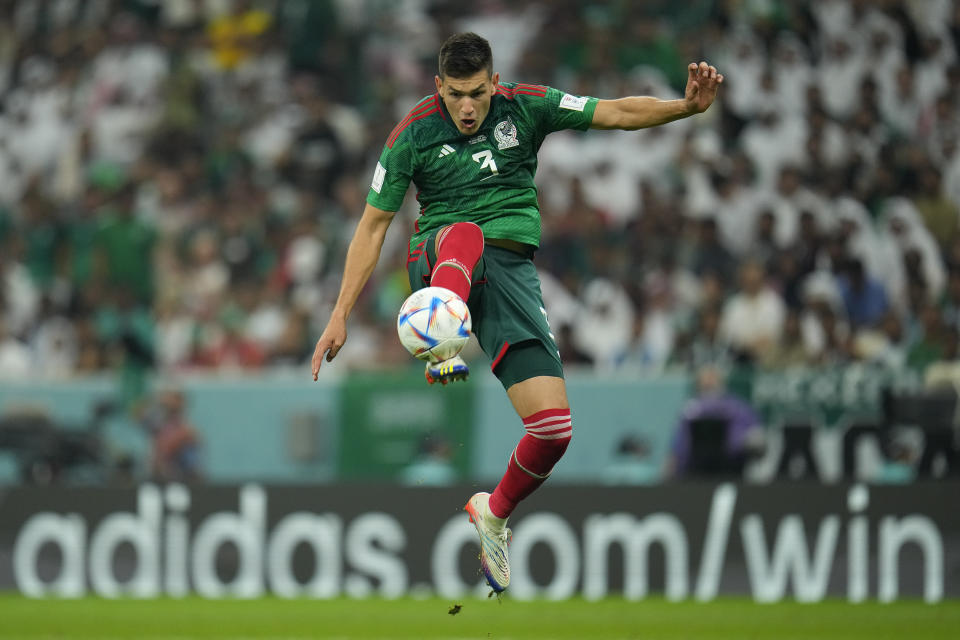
(421, 116)
(521, 92)
(539, 97)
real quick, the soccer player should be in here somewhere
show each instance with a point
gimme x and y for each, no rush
(471, 148)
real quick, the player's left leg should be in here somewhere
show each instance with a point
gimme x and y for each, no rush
(541, 402)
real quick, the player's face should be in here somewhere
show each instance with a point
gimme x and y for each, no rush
(468, 99)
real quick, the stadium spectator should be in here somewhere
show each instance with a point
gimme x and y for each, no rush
(752, 319)
(16, 358)
(717, 431)
(604, 328)
(653, 334)
(791, 351)
(882, 344)
(938, 213)
(175, 452)
(703, 345)
(863, 297)
(710, 256)
(930, 340)
(124, 247)
(233, 36)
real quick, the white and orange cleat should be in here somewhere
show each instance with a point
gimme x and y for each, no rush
(494, 538)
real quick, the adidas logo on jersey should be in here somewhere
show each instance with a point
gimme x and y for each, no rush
(446, 150)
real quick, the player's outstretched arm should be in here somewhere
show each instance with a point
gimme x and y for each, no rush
(362, 256)
(641, 112)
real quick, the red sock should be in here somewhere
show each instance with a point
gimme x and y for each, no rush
(459, 247)
(547, 437)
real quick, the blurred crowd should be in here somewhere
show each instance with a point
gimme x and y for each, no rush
(179, 180)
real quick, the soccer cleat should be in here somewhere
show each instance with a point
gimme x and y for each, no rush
(494, 539)
(446, 371)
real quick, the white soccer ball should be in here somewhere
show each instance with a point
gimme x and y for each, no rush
(434, 324)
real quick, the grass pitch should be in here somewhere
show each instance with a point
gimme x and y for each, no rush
(342, 619)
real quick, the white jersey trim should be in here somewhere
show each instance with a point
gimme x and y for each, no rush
(378, 175)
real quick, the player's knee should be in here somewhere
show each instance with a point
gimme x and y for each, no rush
(468, 227)
(553, 426)
(468, 231)
(547, 438)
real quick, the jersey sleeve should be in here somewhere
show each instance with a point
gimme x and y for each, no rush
(392, 175)
(558, 110)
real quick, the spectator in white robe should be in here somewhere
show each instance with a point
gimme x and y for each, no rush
(902, 231)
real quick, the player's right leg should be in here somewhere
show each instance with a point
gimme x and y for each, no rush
(446, 371)
(450, 260)
(458, 248)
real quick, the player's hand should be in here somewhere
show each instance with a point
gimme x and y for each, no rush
(703, 80)
(329, 343)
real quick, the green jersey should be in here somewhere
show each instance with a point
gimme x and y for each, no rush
(487, 177)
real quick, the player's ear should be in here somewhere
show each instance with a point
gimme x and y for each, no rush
(495, 79)
(438, 82)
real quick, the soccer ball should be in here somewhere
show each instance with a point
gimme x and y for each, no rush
(433, 324)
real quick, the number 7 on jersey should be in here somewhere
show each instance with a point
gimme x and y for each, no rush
(485, 158)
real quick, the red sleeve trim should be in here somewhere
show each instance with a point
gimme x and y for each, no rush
(521, 89)
(531, 87)
(421, 111)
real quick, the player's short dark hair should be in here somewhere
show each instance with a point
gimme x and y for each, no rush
(464, 54)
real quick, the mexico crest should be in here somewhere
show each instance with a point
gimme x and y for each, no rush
(505, 133)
